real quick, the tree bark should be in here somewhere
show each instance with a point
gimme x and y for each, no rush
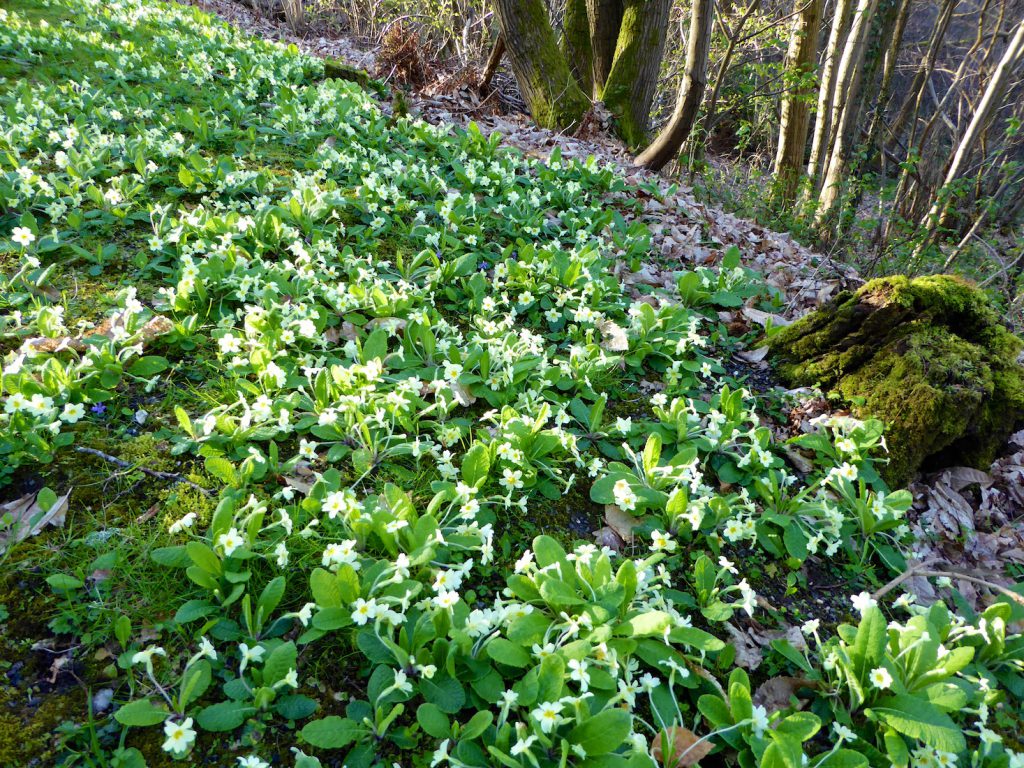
(492, 62)
(667, 144)
(826, 90)
(575, 43)
(633, 79)
(845, 107)
(796, 108)
(551, 92)
(990, 101)
(605, 18)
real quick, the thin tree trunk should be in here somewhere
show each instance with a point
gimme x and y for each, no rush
(938, 214)
(826, 91)
(844, 107)
(551, 92)
(492, 62)
(796, 108)
(888, 70)
(633, 79)
(733, 36)
(605, 18)
(666, 145)
(575, 43)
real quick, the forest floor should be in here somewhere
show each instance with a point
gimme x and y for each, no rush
(280, 359)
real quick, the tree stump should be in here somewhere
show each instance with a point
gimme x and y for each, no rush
(926, 355)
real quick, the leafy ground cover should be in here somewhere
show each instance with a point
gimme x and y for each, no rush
(332, 400)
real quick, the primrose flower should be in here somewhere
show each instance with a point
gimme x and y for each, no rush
(624, 496)
(252, 761)
(364, 610)
(180, 736)
(760, 721)
(880, 678)
(662, 542)
(547, 715)
(230, 541)
(72, 413)
(146, 657)
(185, 522)
(523, 745)
(511, 478)
(843, 733)
(445, 599)
(23, 236)
(863, 602)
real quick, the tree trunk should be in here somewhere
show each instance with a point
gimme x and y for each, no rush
(796, 108)
(990, 101)
(698, 46)
(605, 18)
(575, 43)
(551, 92)
(845, 107)
(493, 61)
(826, 90)
(888, 70)
(629, 89)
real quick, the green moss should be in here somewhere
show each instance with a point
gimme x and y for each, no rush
(927, 355)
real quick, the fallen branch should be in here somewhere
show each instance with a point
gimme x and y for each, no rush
(174, 477)
(929, 574)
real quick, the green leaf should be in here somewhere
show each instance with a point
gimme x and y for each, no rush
(477, 724)
(476, 463)
(603, 732)
(506, 652)
(295, 706)
(141, 712)
(919, 719)
(194, 683)
(331, 732)
(149, 365)
(443, 691)
(63, 582)
(222, 469)
(271, 596)
(225, 716)
(870, 641)
(433, 721)
(644, 625)
(279, 663)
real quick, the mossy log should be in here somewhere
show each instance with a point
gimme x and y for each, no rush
(926, 355)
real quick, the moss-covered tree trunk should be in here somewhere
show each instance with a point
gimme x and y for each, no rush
(796, 107)
(605, 18)
(548, 86)
(575, 43)
(695, 78)
(928, 356)
(629, 89)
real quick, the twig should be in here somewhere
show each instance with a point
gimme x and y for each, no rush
(912, 572)
(174, 477)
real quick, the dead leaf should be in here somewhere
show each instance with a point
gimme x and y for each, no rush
(748, 654)
(462, 395)
(299, 485)
(960, 477)
(620, 521)
(614, 336)
(24, 517)
(677, 747)
(761, 318)
(774, 694)
(609, 537)
(753, 355)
